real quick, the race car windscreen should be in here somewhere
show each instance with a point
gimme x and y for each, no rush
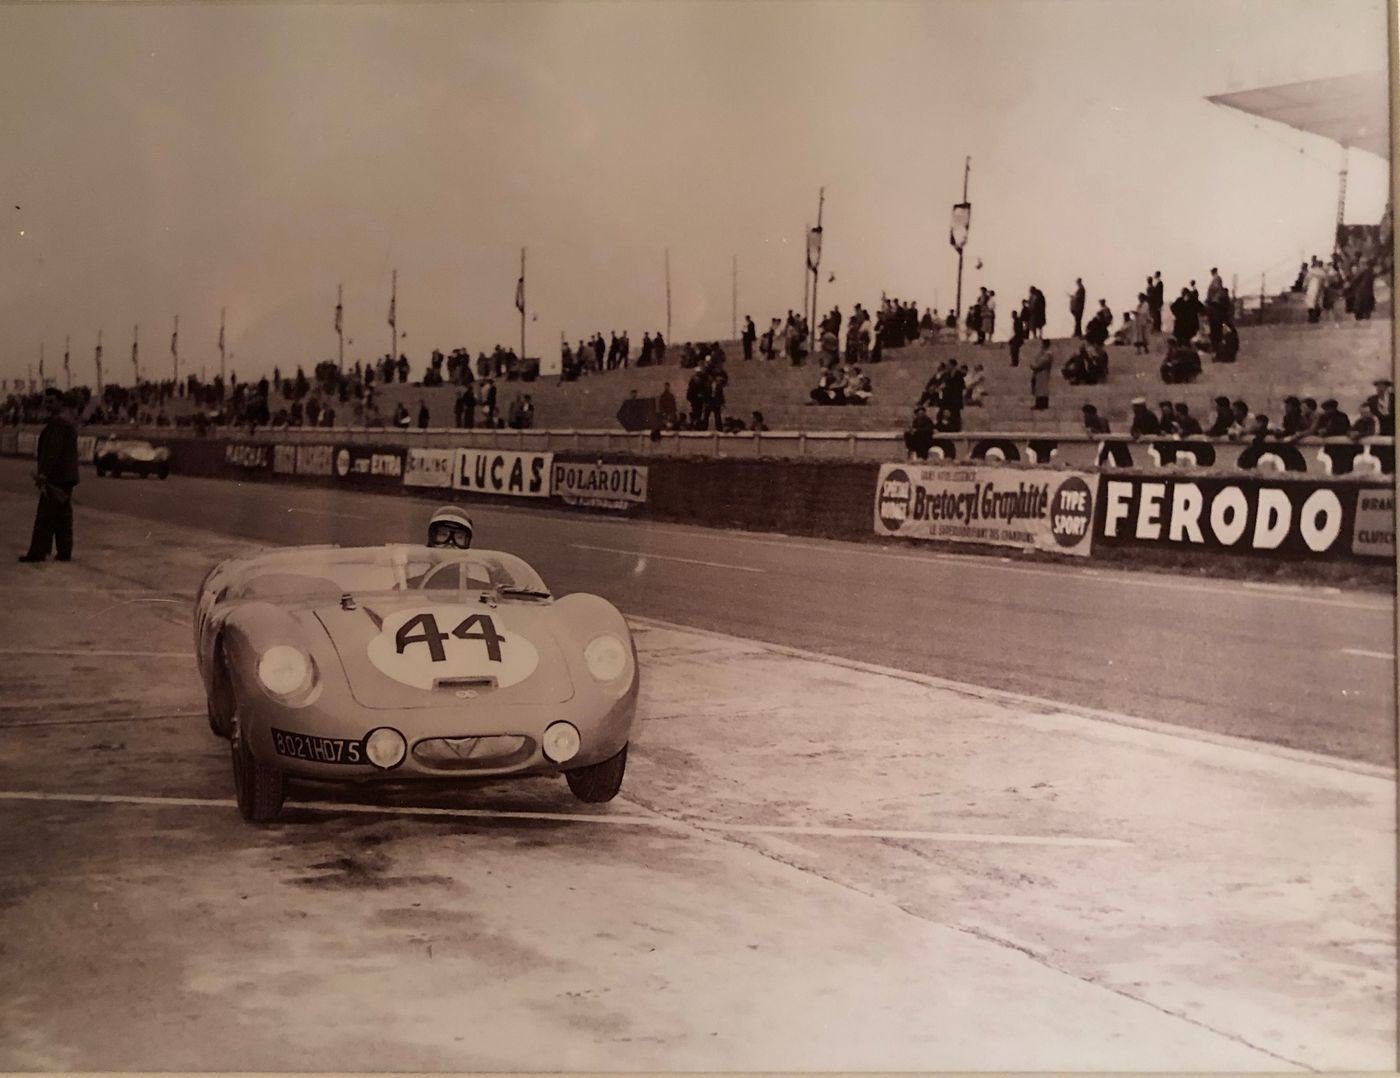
(333, 573)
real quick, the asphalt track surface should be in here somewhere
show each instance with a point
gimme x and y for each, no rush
(816, 863)
(1294, 666)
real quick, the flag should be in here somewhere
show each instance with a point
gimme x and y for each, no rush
(221, 338)
(962, 221)
(175, 342)
(520, 295)
(339, 310)
(65, 356)
(814, 247)
(394, 302)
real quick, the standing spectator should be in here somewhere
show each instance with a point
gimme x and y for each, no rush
(466, 407)
(488, 401)
(403, 368)
(954, 393)
(1155, 299)
(1186, 319)
(666, 406)
(1385, 406)
(1040, 376)
(714, 406)
(422, 415)
(750, 335)
(918, 437)
(1018, 337)
(1076, 306)
(976, 390)
(989, 316)
(1362, 290)
(55, 474)
(1217, 306)
(1142, 323)
(697, 395)
(1037, 327)
(1313, 288)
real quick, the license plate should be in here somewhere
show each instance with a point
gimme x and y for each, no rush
(317, 750)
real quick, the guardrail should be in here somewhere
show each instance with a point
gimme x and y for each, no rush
(1317, 456)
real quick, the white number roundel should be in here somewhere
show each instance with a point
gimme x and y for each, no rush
(419, 646)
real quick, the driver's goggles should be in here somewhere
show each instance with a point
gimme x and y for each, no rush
(453, 534)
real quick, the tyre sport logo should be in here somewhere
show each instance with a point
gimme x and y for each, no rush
(893, 506)
(1072, 512)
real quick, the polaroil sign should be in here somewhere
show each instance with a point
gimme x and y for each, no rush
(1033, 510)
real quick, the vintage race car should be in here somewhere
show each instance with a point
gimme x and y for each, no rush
(410, 663)
(118, 455)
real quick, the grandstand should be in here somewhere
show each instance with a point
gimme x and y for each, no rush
(1328, 360)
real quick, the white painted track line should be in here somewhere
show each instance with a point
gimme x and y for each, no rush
(665, 823)
(97, 654)
(1386, 655)
(1043, 705)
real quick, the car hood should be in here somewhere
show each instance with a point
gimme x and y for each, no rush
(420, 651)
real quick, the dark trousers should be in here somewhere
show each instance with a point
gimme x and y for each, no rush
(748, 348)
(53, 523)
(715, 410)
(1041, 403)
(1078, 323)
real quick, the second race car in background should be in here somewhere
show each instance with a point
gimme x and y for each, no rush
(113, 456)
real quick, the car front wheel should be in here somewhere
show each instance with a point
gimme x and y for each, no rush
(597, 783)
(258, 787)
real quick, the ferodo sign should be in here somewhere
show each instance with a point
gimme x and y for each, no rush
(1297, 518)
(605, 486)
(1033, 510)
(503, 471)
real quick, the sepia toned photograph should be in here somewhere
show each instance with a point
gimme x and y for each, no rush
(774, 536)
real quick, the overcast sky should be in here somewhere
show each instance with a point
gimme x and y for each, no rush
(177, 159)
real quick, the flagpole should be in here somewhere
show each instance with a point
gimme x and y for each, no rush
(806, 269)
(957, 303)
(223, 379)
(812, 324)
(668, 295)
(175, 348)
(97, 360)
(67, 370)
(522, 308)
(734, 300)
(394, 316)
(41, 364)
(340, 325)
(135, 353)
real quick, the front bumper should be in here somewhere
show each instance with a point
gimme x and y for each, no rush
(325, 740)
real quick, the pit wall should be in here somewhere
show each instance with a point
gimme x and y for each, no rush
(978, 496)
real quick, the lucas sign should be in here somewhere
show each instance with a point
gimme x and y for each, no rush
(1025, 508)
(503, 471)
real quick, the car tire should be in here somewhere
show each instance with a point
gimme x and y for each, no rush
(258, 787)
(101, 471)
(597, 783)
(116, 471)
(220, 700)
(164, 473)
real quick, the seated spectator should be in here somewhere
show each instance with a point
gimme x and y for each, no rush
(1309, 420)
(1332, 422)
(1384, 406)
(1181, 364)
(858, 387)
(830, 388)
(1124, 334)
(974, 391)
(1259, 430)
(401, 419)
(732, 425)
(1093, 422)
(756, 423)
(948, 420)
(933, 388)
(1220, 423)
(918, 438)
(1088, 366)
(1144, 423)
(1293, 422)
(1166, 418)
(1240, 422)
(1229, 346)
(1367, 424)
(1187, 425)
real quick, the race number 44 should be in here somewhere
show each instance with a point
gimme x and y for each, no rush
(473, 627)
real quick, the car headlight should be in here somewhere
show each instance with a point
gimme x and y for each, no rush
(606, 657)
(385, 747)
(560, 742)
(284, 670)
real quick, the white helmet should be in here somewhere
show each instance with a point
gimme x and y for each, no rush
(450, 526)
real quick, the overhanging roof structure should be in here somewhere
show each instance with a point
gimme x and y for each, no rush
(1352, 110)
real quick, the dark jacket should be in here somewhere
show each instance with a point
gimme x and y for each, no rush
(58, 451)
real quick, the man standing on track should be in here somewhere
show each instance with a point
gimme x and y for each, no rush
(56, 476)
